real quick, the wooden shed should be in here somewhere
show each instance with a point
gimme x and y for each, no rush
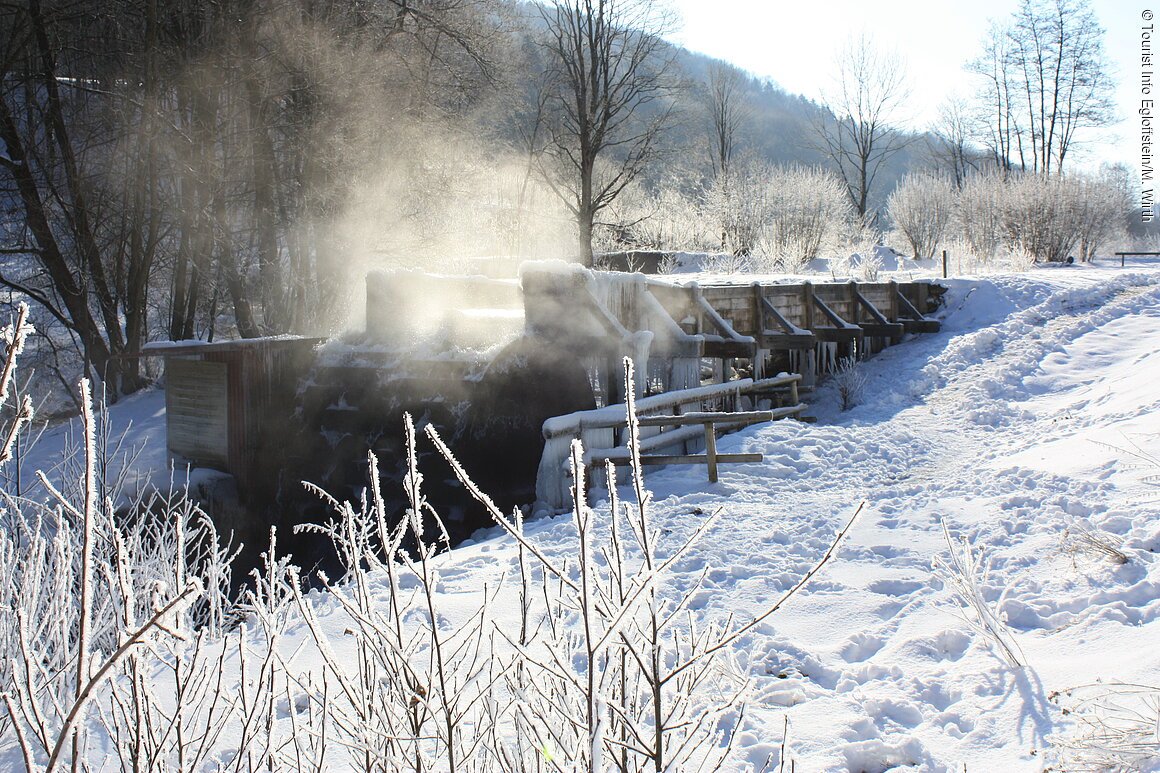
(218, 396)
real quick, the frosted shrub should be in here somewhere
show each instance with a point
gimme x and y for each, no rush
(850, 382)
(979, 215)
(869, 266)
(727, 263)
(97, 623)
(1029, 218)
(119, 646)
(677, 224)
(854, 240)
(841, 265)
(1018, 257)
(922, 207)
(618, 675)
(782, 216)
(965, 572)
(1101, 210)
(1040, 216)
(737, 207)
(806, 209)
(420, 681)
(1115, 727)
(106, 616)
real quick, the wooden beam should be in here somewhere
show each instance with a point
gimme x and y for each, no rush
(915, 321)
(700, 417)
(685, 459)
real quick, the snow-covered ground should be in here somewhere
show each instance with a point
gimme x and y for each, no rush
(1015, 427)
(1019, 427)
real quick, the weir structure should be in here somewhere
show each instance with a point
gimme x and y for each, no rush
(512, 371)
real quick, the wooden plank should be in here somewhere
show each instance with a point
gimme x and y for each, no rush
(912, 319)
(196, 406)
(838, 334)
(700, 417)
(836, 320)
(717, 347)
(921, 325)
(883, 330)
(683, 459)
(785, 342)
(769, 310)
(711, 451)
(870, 308)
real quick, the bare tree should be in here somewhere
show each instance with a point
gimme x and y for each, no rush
(1103, 207)
(90, 257)
(727, 110)
(997, 121)
(1046, 79)
(858, 131)
(608, 90)
(951, 146)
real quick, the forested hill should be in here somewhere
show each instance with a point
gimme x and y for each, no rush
(233, 168)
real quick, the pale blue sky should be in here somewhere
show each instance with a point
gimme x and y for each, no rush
(795, 44)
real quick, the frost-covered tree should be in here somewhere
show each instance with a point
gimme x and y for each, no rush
(978, 214)
(1039, 216)
(784, 216)
(921, 208)
(1103, 207)
(806, 209)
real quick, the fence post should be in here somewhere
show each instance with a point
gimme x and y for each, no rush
(944, 264)
(711, 451)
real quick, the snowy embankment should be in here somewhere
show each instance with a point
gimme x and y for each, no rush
(1014, 428)
(1005, 426)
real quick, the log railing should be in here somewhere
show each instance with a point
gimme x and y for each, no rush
(669, 422)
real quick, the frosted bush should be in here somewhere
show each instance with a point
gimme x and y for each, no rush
(921, 208)
(1040, 216)
(120, 649)
(737, 208)
(807, 207)
(1102, 209)
(979, 215)
(665, 220)
(1026, 218)
(1017, 258)
(783, 216)
(965, 572)
(869, 266)
(841, 265)
(852, 241)
(850, 382)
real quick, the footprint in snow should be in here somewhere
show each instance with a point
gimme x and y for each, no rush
(877, 756)
(860, 647)
(896, 587)
(887, 711)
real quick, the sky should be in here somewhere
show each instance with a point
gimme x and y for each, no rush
(796, 44)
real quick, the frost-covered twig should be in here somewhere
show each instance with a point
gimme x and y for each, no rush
(966, 572)
(1117, 727)
(1078, 537)
(15, 337)
(135, 639)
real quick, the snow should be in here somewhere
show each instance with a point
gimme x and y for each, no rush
(1005, 427)
(1012, 426)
